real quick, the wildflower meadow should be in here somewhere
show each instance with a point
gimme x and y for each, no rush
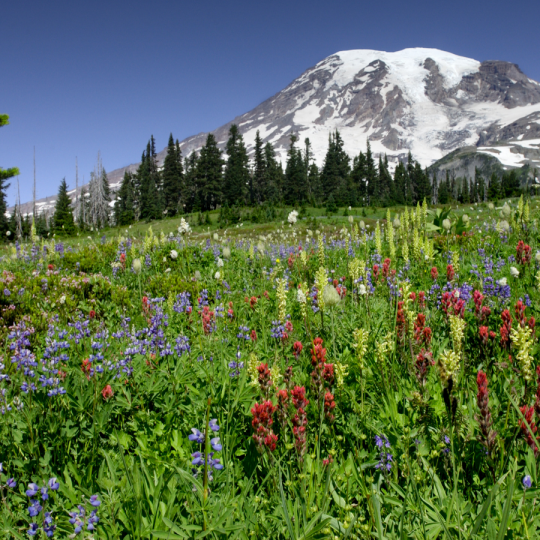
(309, 380)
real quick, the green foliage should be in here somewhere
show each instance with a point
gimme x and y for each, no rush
(63, 224)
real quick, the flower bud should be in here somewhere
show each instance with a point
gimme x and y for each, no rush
(137, 266)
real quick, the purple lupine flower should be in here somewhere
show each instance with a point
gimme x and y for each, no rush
(214, 462)
(213, 425)
(77, 518)
(215, 444)
(385, 458)
(32, 531)
(527, 482)
(53, 484)
(94, 500)
(197, 459)
(32, 490)
(35, 508)
(11, 483)
(93, 519)
(196, 436)
(48, 525)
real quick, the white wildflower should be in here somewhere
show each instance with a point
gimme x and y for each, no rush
(293, 217)
(514, 272)
(174, 254)
(184, 227)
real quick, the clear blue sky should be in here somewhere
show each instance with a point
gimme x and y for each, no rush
(78, 77)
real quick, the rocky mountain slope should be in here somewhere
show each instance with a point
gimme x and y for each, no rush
(427, 101)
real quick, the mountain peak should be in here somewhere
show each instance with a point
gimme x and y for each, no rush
(426, 101)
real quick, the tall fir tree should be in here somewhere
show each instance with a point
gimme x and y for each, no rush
(274, 177)
(443, 195)
(335, 171)
(259, 170)
(210, 175)
(294, 189)
(148, 180)
(171, 179)
(191, 190)
(371, 177)
(236, 178)
(480, 195)
(357, 179)
(63, 224)
(124, 211)
(400, 184)
(494, 188)
(314, 183)
(465, 198)
(385, 184)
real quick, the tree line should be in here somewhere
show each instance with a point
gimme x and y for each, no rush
(212, 179)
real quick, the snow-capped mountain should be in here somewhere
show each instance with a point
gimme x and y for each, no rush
(427, 101)
(423, 100)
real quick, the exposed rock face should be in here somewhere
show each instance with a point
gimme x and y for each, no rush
(426, 101)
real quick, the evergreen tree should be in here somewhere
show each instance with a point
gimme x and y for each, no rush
(465, 191)
(63, 213)
(274, 177)
(236, 178)
(371, 176)
(385, 183)
(443, 196)
(294, 189)
(494, 188)
(124, 212)
(357, 178)
(259, 170)
(210, 175)
(314, 183)
(41, 225)
(336, 170)
(510, 184)
(191, 191)
(148, 206)
(171, 177)
(400, 183)
(421, 187)
(480, 190)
